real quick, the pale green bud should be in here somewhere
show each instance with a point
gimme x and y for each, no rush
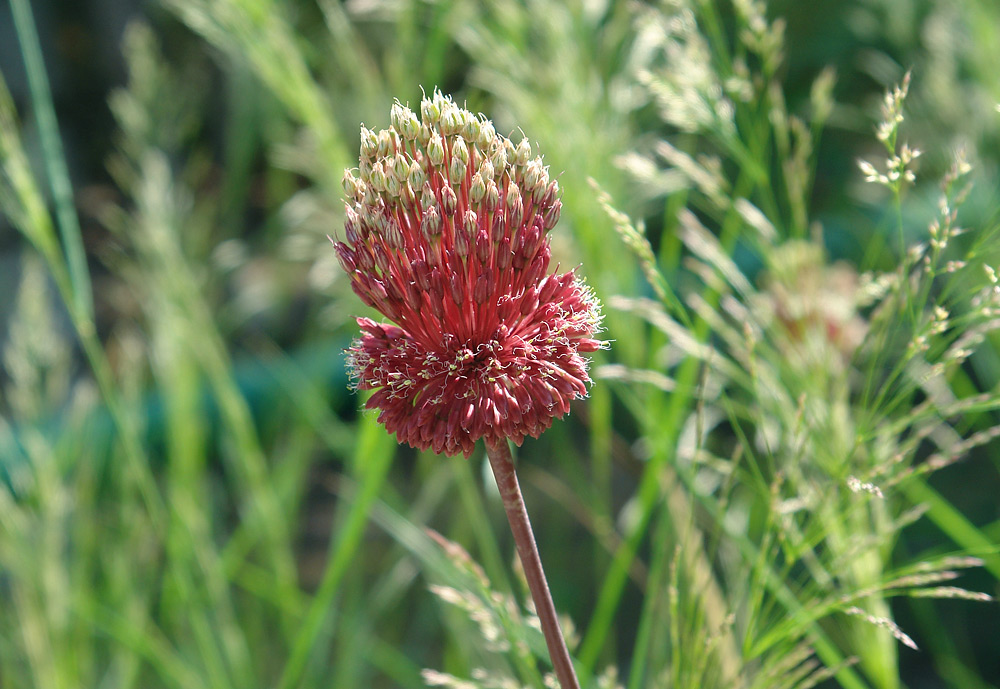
(492, 199)
(513, 196)
(509, 150)
(541, 188)
(523, 153)
(470, 132)
(377, 176)
(430, 109)
(435, 150)
(400, 167)
(487, 134)
(416, 176)
(486, 170)
(451, 119)
(369, 143)
(477, 189)
(460, 150)
(385, 144)
(427, 198)
(533, 175)
(457, 171)
(498, 158)
(513, 205)
(351, 183)
(424, 135)
(404, 121)
(393, 184)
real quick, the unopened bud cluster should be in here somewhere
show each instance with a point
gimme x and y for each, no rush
(447, 235)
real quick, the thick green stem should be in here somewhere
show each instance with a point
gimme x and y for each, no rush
(524, 538)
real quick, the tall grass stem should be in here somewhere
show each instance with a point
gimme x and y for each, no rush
(55, 161)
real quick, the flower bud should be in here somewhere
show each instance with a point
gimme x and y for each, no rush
(483, 246)
(508, 149)
(487, 134)
(551, 194)
(437, 283)
(470, 222)
(369, 143)
(529, 302)
(449, 201)
(435, 150)
(386, 145)
(523, 153)
(492, 199)
(377, 289)
(352, 225)
(412, 296)
(377, 177)
(455, 285)
(345, 256)
(435, 305)
(393, 293)
(542, 188)
(421, 274)
(532, 176)
(368, 214)
(456, 172)
(392, 234)
(470, 132)
(382, 261)
(463, 241)
(404, 121)
(416, 177)
(424, 135)
(504, 254)
(351, 184)
(363, 258)
(526, 240)
(486, 169)
(451, 119)
(393, 184)
(477, 188)
(499, 229)
(498, 159)
(430, 224)
(513, 206)
(400, 167)
(430, 110)
(481, 292)
(460, 150)
(427, 197)
(547, 288)
(551, 216)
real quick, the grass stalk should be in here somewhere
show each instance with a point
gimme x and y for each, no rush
(373, 455)
(55, 161)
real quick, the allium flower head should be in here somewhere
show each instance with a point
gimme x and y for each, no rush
(447, 236)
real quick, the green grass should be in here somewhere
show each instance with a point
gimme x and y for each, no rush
(781, 454)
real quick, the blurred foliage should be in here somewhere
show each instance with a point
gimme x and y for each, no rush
(785, 460)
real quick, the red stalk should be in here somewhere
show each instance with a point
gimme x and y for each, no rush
(527, 551)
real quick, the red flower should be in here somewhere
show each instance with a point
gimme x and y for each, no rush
(446, 234)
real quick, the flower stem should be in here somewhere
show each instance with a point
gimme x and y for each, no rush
(524, 538)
